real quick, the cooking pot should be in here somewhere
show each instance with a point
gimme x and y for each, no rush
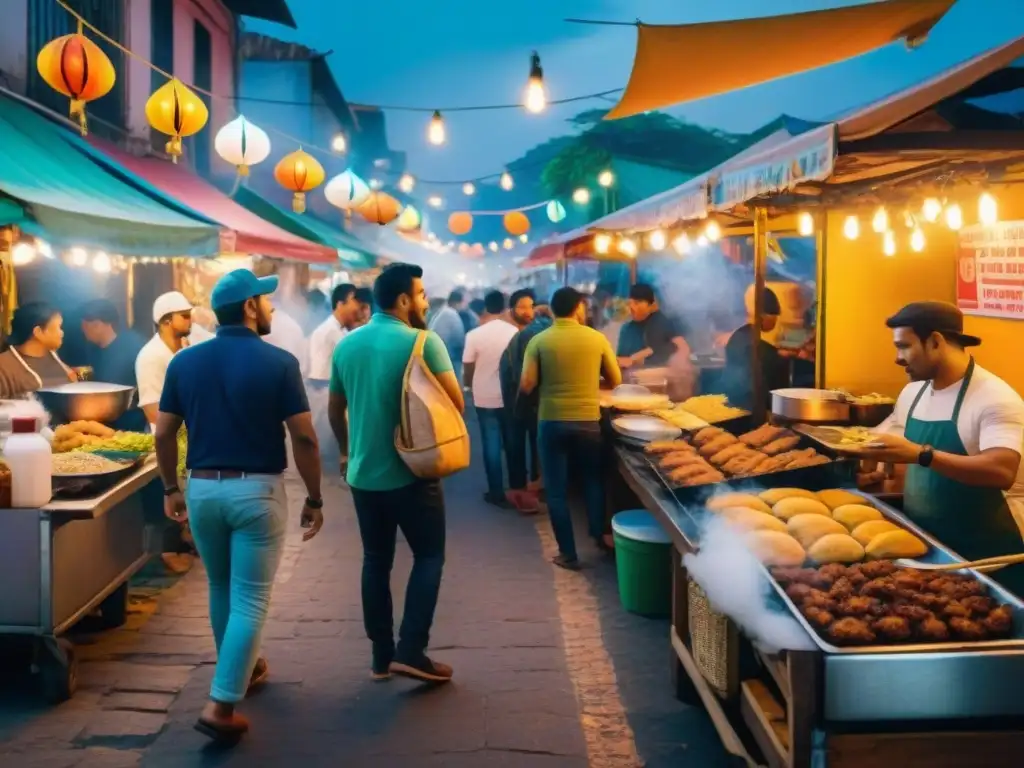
(86, 401)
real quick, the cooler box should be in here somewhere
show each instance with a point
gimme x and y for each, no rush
(643, 559)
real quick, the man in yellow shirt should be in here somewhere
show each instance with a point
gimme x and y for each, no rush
(567, 362)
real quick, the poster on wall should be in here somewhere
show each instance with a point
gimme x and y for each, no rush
(990, 270)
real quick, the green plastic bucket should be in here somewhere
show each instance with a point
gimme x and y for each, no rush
(643, 559)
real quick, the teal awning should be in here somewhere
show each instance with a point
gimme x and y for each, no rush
(351, 252)
(54, 190)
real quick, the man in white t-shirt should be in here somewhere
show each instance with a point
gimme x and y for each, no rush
(286, 333)
(481, 359)
(959, 430)
(343, 318)
(172, 315)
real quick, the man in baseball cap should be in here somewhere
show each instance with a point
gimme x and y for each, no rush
(172, 316)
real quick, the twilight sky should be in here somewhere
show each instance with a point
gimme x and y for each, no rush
(467, 52)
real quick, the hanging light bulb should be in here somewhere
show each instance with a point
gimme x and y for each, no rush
(988, 211)
(931, 209)
(493, 246)
(702, 241)
(627, 246)
(889, 244)
(79, 257)
(22, 254)
(435, 130)
(43, 249)
(101, 262)
(524, 238)
(468, 188)
(339, 143)
(606, 179)
(602, 243)
(435, 201)
(375, 184)
(713, 231)
(581, 196)
(682, 244)
(917, 240)
(407, 183)
(880, 222)
(506, 181)
(656, 240)
(954, 216)
(508, 243)
(536, 96)
(805, 224)
(851, 228)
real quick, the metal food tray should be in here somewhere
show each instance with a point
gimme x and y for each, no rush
(85, 485)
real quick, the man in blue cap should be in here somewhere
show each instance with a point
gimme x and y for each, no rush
(236, 394)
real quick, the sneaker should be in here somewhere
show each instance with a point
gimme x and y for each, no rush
(570, 564)
(380, 669)
(422, 669)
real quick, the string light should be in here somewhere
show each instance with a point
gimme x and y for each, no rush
(508, 244)
(954, 217)
(43, 249)
(602, 243)
(339, 143)
(988, 211)
(493, 246)
(581, 196)
(713, 232)
(606, 179)
(880, 221)
(917, 241)
(889, 243)
(851, 228)
(506, 181)
(375, 184)
(657, 240)
(79, 257)
(101, 262)
(931, 209)
(468, 188)
(682, 244)
(22, 254)
(524, 238)
(805, 224)
(435, 201)
(407, 183)
(435, 130)
(627, 247)
(536, 96)
(702, 241)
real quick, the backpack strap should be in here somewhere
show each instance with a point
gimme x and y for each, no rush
(421, 342)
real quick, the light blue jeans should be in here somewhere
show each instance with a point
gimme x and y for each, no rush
(238, 526)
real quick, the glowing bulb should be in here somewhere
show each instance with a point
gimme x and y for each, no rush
(435, 131)
(493, 246)
(682, 244)
(407, 183)
(702, 241)
(954, 216)
(468, 188)
(524, 238)
(101, 262)
(657, 240)
(508, 243)
(435, 201)
(917, 240)
(889, 244)
(605, 179)
(581, 196)
(22, 254)
(375, 184)
(805, 224)
(627, 247)
(713, 231)
(43, 249)
(988, 212)
(339, 143)
(536, 96)
(79, 257)
(931, 209)
(851, 228)
(506, 181)
(602, 243)
(880, 221)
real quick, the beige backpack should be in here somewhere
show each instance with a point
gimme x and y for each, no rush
(431, 438)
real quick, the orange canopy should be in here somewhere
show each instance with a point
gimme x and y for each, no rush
(685, 62)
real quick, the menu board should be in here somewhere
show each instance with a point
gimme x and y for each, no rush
(990, 270)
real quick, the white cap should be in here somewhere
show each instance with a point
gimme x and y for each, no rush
(169, 303)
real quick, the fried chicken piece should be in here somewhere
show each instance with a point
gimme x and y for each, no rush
(860, 606)
(954, 610)
(818, 599)
(883, 588)
(763, 435)
(932, 630)
(679, 459)
(907, 578)
(708, 433)
(841, 589)
(912, 612)
(819, 617)
(893, 628)
(964, 589)
(798, 592)
(729, 452)
(835, 570)
(851, 631)
(999, 620)
(781, 445)
(979, 605)
(785, 575)
(965, 629)
(877, 568)
(856, 577)
(937, 585)
(931, 602)
(668, 446)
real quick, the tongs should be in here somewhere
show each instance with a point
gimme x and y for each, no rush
(982, 566)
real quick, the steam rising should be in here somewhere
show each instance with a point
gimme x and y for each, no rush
(734, 583)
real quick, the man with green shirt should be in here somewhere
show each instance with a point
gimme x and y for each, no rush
(367, 374)
(567, 362)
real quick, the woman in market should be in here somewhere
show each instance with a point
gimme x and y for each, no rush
(30, 362)
(959, 430)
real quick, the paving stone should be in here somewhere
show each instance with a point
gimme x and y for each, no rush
(103, 757)
(140, 702)
(125, 729)
(537, 732)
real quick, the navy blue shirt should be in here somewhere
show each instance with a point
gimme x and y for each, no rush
(235, 392)
(115, 364)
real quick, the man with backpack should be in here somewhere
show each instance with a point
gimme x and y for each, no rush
(368, 376)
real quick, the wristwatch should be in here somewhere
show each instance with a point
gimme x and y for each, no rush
(925, 457)
(314, 503)
(171, 490)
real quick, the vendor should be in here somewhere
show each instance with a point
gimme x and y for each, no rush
(959, 430)
(172, 315)
(30, 362)
(649, 339)
(111, 353)
(737, 382)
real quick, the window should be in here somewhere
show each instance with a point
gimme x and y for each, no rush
(203, 78)
(161, 42)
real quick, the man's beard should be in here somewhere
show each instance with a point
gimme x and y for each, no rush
(263, 327)
(418, 321)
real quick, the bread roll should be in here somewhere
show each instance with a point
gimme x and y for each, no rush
(852, 515)
(837, 497)
(807, 529)
(775, 495)
(836, 548)
(775, 548)
(794, 506)
(893, 544)
(865, 532)
(738, 500)
(751, 520)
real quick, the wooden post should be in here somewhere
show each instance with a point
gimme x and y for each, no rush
(760, 269)
(821, 283)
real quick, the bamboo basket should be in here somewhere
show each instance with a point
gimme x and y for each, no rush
(710, 636)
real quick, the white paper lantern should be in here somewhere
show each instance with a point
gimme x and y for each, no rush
(409, 220)
(242, 144)
(555, 211)
(346, 191)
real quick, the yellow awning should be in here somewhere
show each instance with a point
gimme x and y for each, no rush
(684, 62)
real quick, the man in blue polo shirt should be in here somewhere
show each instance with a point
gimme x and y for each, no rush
(236, 394)
(367, 378)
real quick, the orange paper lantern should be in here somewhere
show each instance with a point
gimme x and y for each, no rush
(516, 223)
(299, 172)
(380, 208)
(175, 110)
(460, 223)
(76, 67)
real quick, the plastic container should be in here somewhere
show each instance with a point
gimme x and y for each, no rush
(28, 455)
(643, 560)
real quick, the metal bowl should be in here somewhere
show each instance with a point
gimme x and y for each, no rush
(86, 401)
(815, 406)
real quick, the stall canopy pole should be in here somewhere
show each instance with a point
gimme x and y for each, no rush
(129, 283)
(633, 270)
(760, 269)
(821, 283)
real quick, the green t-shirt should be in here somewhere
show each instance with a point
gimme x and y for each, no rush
(368, 368)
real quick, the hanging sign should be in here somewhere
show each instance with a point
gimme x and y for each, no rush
(990, 270)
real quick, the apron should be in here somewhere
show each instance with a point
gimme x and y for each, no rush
(973, 521)
(70, 376)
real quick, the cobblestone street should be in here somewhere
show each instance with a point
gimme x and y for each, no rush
(549, 670)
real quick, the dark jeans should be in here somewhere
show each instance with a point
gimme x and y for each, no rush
(581, 440)
(418, 510)
(520, 431)
(493, 426)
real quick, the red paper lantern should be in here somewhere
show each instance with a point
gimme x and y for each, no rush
(460, 223)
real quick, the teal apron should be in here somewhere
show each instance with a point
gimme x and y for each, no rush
(973, 521)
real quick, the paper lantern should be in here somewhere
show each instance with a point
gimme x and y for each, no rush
(346, 191)
(460, 223)
(76, 67)
(409, 221)
(380, 208)
(242, 144)
(516, 223)
(176, 111)
(299, 172)
(555, 211)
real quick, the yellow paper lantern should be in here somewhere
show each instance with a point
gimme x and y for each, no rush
(176, 111)
(460, 223)
(380, 208)
(299, 172)
(76, 67)
(409, 221)
(516, 223)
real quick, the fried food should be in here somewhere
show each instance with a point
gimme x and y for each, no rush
(792, 507)
(956, 610)
(708, 433)
(882, 587)
(668, 446)
(877, 569)
(912, 612)
(860, 606)
(807, 529)
(837, 497)
(710, 476)
(715, 444)
(799, 592)
(966, 629)
(725, 500)
(808, 461)
(816, 598)
(819, 617)
(781, 445)
(842, 587)
(687, 472)
(999, 621)
(895, 544)
(978, 605)
(743, 464)
(763, 435)
(851, 631)
(865, 532)
(775, 495)
(892, 628)
(751, 520)
(729, 452)
(679, 459)
(775, 548)
(853, 515)
(711, 408)
(932, 630)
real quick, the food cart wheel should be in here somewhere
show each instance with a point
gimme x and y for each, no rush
(114, 608)
(58, 669)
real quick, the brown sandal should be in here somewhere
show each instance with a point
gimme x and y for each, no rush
(224, 732)
(260, 673)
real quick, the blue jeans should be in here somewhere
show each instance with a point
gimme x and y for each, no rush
(557, 441)
(522, 433)
(239, 528)
(493, 435)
